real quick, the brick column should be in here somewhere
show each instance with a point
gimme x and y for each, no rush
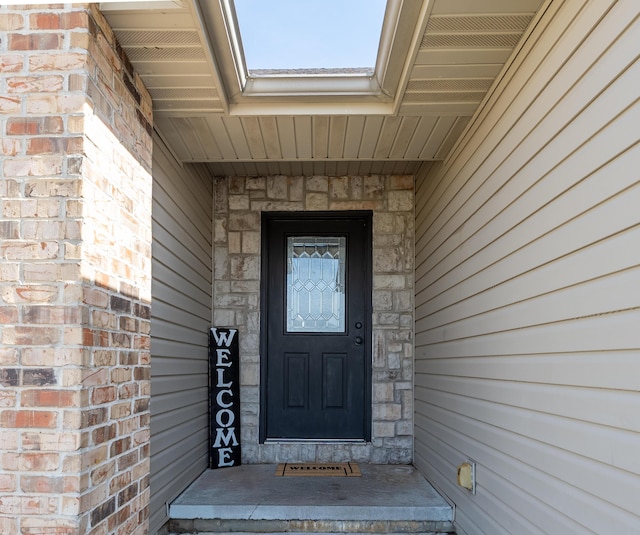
(75, 286)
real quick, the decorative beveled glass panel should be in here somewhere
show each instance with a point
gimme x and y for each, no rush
(315, 284)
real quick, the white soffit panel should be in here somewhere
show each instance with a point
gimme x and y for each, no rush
(463, 49)
(166, 48)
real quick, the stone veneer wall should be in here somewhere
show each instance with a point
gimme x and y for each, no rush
(75, 191)
(237, 213)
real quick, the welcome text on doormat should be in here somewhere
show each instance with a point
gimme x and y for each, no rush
(319, 469)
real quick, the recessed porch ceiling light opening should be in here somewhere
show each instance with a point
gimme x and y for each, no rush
(310, 37)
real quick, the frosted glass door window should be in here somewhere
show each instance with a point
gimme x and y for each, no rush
(315, 284)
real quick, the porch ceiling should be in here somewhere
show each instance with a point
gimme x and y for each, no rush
(444, 56)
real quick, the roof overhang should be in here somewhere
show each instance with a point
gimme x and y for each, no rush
(438, 62)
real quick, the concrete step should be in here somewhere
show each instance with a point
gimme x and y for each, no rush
(307, 533)
(212, 527)
(251, 499)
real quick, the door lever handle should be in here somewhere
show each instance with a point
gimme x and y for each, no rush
(358, 340)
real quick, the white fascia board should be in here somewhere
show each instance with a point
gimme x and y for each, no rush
(323, 85)
(287, 106)
(205, 36)
(118, 5)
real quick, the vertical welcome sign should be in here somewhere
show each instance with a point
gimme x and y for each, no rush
(224, 379)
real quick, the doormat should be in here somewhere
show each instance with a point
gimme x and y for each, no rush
(319, 469)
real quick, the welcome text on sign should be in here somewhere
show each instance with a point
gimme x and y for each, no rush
(224, 397)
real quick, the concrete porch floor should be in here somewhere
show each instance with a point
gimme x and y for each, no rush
(393, 497)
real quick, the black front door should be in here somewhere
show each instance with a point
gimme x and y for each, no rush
(316, 326)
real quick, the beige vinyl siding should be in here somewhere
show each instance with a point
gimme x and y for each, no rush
(181, 317)
(528, 287)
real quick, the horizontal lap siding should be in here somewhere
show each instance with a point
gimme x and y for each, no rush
(181, 317)
(528, 287)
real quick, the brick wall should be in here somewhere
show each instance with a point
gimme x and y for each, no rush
(75, 193)
(238, 203)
